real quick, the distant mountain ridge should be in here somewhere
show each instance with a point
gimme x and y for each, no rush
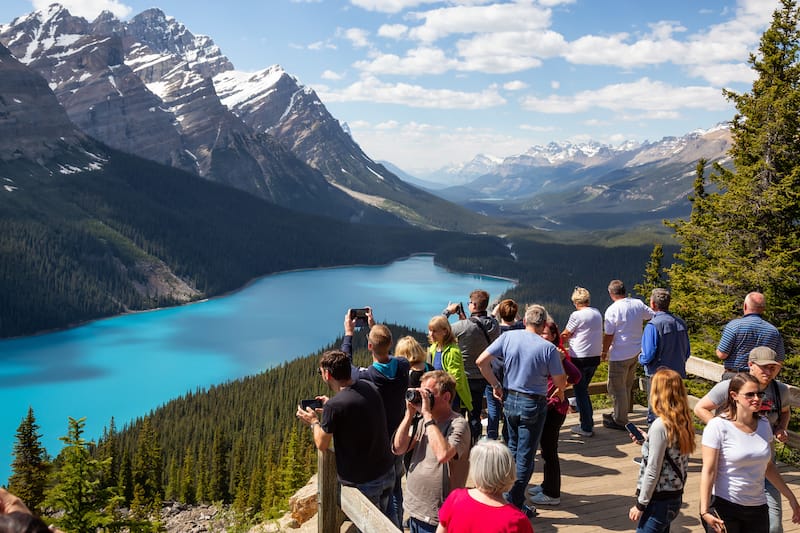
(150, 87)
(556, 185)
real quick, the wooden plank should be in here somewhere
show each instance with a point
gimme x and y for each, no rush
(365, 516)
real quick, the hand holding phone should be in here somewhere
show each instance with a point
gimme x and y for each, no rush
(312, 403)
(635, 432)
(360, 316)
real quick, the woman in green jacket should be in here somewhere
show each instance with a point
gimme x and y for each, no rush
(446, 355)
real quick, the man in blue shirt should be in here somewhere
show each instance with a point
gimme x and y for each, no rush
(741, 335)
(527, 361)
(665, 342)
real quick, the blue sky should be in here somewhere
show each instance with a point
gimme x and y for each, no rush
(426, 83)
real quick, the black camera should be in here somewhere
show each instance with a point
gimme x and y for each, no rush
(415, 396)
(360, 315)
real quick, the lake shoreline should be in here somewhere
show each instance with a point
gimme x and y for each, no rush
(248, 284)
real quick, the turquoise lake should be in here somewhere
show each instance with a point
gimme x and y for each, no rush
(127, 365)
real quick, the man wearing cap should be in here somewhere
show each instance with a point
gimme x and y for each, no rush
(763, 364)
(743, 334)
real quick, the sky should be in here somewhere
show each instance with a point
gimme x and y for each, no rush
(426, 84)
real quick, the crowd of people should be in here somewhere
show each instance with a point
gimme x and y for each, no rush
(417, 413)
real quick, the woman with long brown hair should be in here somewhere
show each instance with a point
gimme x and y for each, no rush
(665, 455)
(737, 456)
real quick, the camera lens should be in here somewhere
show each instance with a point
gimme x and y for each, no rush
(413, 396)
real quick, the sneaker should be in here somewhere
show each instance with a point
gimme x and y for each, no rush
(544, 499)
(529, 511)
(578, 431)
(536, 489)
(610, 423)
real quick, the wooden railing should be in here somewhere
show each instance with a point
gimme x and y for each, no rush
(337, 503)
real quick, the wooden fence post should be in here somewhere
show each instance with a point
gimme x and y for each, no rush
(329, 515)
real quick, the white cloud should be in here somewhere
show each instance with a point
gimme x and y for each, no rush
(370, 89)
(515, 85)
(393, 31)
(555, 85)
(515, 17)
(320, 45)
(422, 147)
(653, 97)
(331, 75)
(723, 74)
(417, 61)
(537, 129)
(390, 6)
(88, 9)
(357, 36)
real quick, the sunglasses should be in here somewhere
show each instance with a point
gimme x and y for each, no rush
(751, 395)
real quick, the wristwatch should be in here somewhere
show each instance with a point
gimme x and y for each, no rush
(429, 423)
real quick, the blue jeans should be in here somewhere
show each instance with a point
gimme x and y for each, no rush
(774, 505)
(418, 526)
(379, 492)
(477, 388)
(396, 502)
(658, 515)
(581, 390)
(525, 419)
(494, 409)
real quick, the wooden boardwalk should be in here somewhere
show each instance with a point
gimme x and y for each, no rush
(598, 480)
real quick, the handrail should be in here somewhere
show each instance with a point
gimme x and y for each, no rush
(336, 503)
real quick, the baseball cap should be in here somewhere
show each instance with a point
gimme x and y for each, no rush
(763, 355)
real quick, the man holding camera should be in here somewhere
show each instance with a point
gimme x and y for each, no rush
(474, 334)
(440, 442)
(363, 458)
(390, 375)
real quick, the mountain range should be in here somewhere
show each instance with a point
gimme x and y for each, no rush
(590, 185)
(151, 88)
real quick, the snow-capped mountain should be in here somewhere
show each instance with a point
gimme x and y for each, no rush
(150, 87)
(649, 178)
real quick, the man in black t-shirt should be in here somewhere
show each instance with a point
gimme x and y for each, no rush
(354, 417)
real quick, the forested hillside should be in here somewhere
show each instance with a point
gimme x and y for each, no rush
(137, 235)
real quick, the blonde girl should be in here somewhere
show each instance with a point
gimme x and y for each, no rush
(445, 354)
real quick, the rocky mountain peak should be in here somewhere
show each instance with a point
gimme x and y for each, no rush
(162, 34)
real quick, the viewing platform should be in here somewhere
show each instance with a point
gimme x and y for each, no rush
(598, 481)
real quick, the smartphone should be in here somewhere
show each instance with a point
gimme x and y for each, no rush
(716, 515)
(633, 430)
(360, 315)
(313, 403)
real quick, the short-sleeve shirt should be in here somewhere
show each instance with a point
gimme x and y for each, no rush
(743, 334)
(356, 419)
(464, 514)
(527, 360)
(424, 490)
(742, 460)
(586, 326)
(718, 395)
(624, 319)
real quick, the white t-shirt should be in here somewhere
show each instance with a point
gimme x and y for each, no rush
(624, 319)
(586, 325)
(742, 460)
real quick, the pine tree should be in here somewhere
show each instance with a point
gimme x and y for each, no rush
(30, 465)
(744, 237)
(147, 473)
(652, 273)
(76, 488)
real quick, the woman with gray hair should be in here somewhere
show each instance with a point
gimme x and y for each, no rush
(483, 508)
